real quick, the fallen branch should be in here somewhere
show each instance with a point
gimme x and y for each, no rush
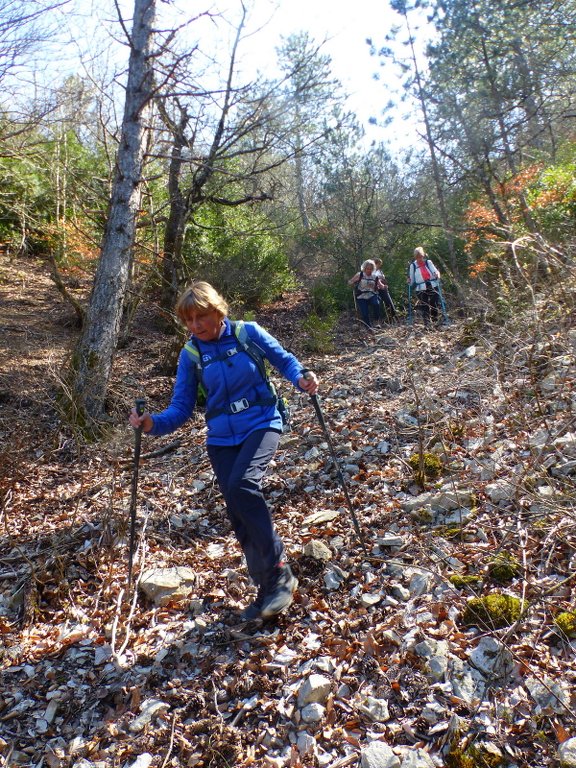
(153, 454)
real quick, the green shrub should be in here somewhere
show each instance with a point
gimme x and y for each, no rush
(323, 300)
(238, 253)
(318, 333)
(331, 294)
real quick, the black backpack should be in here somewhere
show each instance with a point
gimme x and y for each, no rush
(365, 277)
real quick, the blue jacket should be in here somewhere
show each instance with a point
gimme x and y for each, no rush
(226, 381)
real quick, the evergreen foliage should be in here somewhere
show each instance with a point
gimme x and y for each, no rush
(236, 249)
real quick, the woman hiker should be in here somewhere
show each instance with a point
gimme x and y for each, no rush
(244, 428)
(424, 277)
(367, 286)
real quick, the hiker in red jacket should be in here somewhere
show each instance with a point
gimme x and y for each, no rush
(424, 278)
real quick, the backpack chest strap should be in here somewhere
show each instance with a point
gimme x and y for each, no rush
(243, 345)
(241, 405)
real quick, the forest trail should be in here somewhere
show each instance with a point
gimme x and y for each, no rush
(376, 653)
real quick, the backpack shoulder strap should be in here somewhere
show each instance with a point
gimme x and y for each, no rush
(249, 346)
(243, 341)
(194, 353)
(432, 269)
(192, 350)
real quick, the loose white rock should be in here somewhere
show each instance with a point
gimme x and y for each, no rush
(378, 755)
(315, 688)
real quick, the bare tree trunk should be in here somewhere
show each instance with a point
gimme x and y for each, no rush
(93, 357)
(438, 184)
(499, 109)
(177, 217)
(300, 190)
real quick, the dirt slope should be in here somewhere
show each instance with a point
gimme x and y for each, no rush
(91, 678)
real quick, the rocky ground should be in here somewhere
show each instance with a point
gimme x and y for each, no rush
(458, 448)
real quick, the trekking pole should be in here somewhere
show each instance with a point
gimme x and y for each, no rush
(410, 318)
(355, 302)
(140, 408)
(318, 408)
(443, 304)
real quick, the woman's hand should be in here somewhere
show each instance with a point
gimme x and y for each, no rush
(144, 421)
(309, 383)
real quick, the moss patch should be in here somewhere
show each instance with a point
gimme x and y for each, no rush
(429, 468)
(566, 623)
(474, 756)
(493, 611)
(503, 568)
(461, 582)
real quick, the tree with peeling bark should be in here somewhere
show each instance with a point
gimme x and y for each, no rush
(93, 357)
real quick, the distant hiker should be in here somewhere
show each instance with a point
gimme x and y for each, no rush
(244, 428)
(367, 285)
(387, 307)
(424, 278)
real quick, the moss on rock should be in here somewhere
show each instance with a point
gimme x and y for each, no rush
(566, 623)
(493, 611)
(461, 582)
(503, 568)
(474, 756)
(431, 466)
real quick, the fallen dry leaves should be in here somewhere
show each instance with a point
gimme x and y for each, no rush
(93, 675)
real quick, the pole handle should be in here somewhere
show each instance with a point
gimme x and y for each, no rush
(140, 404)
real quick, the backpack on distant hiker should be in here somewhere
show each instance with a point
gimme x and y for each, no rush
(370, 278)
(243, 344)
(429, 286)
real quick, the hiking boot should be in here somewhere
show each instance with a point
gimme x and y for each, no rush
(253, 611)
(281, 592)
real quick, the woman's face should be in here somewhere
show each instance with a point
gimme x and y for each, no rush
(368, 269)
(205, 324)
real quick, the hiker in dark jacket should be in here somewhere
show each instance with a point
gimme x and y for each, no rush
(424, 278)
(387, 307)
(244, 428)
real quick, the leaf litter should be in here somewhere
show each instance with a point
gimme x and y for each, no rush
(374, 653)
